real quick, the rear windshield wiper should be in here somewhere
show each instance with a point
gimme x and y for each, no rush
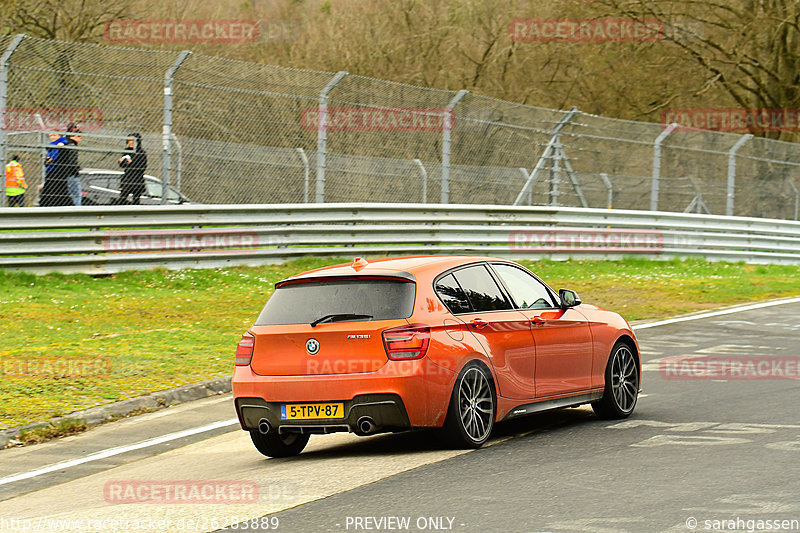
(335, 317)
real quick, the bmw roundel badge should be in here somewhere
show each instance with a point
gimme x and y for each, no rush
(312, 346)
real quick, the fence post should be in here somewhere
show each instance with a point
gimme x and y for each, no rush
(657, 165)
(796, 198)
(322, 134)
(3, 102)
(424, 174)
(179, 169)
(525, 174)
(166, 134)
(609, 189)
(732, 172)
(446, 133)
(548, 152)
(304, 160)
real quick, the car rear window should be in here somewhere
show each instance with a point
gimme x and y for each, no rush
(300, 303)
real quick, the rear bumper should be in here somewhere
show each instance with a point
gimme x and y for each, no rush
(386, 411)
(400, 395)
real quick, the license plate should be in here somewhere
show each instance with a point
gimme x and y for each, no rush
(311, 411)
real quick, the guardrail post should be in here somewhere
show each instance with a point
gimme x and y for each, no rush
(732, 172)
(446, 135)
(548, 152)
(657, 165)
(306, 171)
(166, 135)
(3, 102)
(424, 174)
(555, 170)
(322, 134)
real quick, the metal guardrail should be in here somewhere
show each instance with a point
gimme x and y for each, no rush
(101, 240)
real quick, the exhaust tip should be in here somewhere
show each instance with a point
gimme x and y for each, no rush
(366, 425)
(263, 426)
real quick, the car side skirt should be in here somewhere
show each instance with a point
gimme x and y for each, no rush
(557, 403)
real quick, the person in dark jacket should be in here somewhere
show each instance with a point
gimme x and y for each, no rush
(70, 167)
(134, 163)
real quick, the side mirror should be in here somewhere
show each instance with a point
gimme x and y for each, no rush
(569, 298)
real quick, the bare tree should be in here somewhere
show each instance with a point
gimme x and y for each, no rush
(747, 49)
(66, 20)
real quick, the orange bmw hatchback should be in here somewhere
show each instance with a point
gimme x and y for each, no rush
(456, 343)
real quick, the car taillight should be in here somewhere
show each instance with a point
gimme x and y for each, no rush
(407, 342)
(244, 350)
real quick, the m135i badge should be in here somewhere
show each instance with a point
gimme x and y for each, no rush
(359, 336)
(312, 346)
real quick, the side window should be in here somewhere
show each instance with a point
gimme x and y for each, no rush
(481, 289)
(95, 181)
(451, 294)
(526, 291)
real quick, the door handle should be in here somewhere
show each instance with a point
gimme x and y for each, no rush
(538, 321)
(478, 323)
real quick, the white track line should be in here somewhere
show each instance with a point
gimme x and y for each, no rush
(110, 452)
(715, 313)
(230, 422)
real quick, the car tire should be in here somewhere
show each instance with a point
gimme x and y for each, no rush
(473, 405)
(622, 384)
(274, 445)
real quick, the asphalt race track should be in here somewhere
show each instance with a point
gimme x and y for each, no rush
(704, 451)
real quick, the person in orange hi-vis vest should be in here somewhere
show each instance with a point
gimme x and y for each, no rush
(15, 183)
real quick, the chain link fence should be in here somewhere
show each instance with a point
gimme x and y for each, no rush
(224, 131)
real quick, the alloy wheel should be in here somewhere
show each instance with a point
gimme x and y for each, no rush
(476, 404)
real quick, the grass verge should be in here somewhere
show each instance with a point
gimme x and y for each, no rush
(60, 429)
(71, 342)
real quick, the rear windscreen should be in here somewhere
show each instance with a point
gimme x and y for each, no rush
(309, 301)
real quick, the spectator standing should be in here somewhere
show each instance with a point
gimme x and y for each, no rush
(67, 164)
(134, 163)
(56, 140)
(54, 190)
(15, 183)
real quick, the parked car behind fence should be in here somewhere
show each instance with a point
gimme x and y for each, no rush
(102, 187)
